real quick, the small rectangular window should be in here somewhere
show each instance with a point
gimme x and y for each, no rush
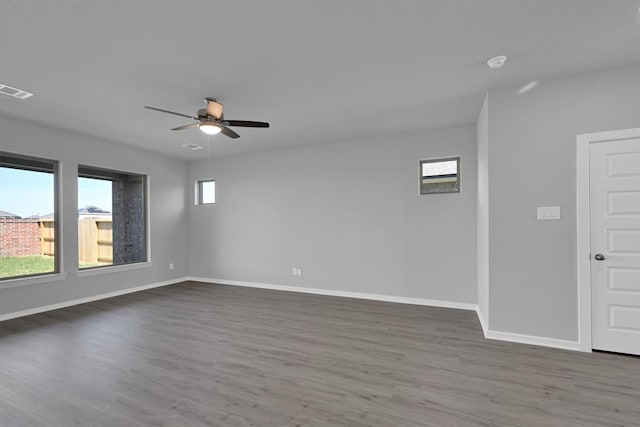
(205, 192)
(29, 223)
(440, 176)
(112, 217)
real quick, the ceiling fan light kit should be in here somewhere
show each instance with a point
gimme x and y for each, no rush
(211, 120)
(210, 128)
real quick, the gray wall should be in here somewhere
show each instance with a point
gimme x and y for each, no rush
(348, 214)
(532, 157)
(167, 210)
(482, 129)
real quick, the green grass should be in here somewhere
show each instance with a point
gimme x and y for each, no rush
(91, 264)
(15, 266)
(25, 265)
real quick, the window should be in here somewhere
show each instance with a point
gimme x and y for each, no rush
(205, 192)
(28, 216)
(440, 176)
(112, 217)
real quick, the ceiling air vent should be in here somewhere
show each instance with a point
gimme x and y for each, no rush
(192, 147)
(16, 93)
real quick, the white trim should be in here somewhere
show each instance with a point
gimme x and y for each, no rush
(33, 280)
(483, 322)
(533, 340)
(583, 244)
(96, 271)
(345, 294)
(92, 298)
(489, 334)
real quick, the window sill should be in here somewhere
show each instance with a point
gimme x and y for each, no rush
(113, 269)
(36, 280)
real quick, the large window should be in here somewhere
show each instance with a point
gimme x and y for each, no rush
(112, 217)
(28, 216)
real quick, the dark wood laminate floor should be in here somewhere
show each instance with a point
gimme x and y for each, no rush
(198, 354)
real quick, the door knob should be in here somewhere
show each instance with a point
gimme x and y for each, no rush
(599, 257)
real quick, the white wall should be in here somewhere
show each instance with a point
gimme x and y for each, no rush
(532, 156)
(482, 129)
(167, 213)
(348, 214)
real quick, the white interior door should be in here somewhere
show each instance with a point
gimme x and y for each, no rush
(614, 169)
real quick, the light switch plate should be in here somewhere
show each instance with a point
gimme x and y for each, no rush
(548, 212)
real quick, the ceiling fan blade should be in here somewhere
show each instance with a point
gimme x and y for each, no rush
(171, 112)
(228, 132)
(190, 125)
(246, 123)
(214, 108)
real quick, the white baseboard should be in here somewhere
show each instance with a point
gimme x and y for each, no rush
(489, 334)
(533, 340)
(87, 299)
(334, 293)
(483, 322)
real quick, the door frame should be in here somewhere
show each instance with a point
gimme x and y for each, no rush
(583, 142)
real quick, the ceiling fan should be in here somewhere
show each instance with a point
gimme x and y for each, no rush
(211, 121)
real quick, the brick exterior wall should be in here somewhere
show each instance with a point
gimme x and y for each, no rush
(128, 205)
(19, 237)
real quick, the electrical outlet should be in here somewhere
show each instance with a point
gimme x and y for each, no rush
(548, 212)
(294, 271)
(170, 266)
(299, 272)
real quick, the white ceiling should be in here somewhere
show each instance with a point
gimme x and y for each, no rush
(318, 71)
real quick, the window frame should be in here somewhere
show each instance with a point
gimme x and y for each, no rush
(199, 186)
(100, 172)
(38, 164)
(458, 161)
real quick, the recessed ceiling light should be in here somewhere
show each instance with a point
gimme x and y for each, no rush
(497, 61)
(15, 92)
(192, 147)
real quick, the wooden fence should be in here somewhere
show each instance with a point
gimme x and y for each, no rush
(95, 240)
(47, 237)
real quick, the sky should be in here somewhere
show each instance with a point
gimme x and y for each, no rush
(27, 193)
